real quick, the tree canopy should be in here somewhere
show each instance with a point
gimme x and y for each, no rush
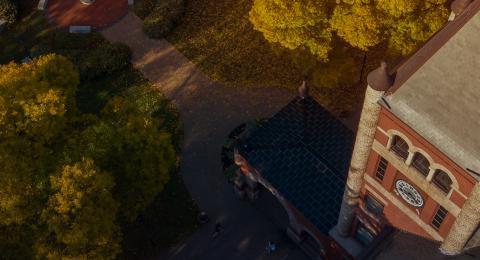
(294, 24)
(80, 215)
(68, 178)
(309, 24)
(34, 99)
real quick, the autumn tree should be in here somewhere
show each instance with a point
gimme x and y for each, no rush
(403, 24)
(80, 215)
(357, 25)
(134, 146)
(64, 174)
(141, 164)
(34, 98)
(294, 24)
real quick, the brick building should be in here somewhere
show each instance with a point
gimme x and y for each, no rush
(413, 177)
(416, 160)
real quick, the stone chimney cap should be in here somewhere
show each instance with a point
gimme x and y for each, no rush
(303, 90)
(379, 79)
(458, 6)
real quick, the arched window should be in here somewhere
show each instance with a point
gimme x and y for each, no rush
(400, 147)
(442, 181)
(421, 164)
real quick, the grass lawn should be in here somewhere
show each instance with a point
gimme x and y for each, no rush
(218, 36)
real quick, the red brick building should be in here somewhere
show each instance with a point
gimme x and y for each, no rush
(416, 160)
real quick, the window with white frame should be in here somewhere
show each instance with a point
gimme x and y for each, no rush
(421, 164)
(400, 147)
(381, 168)
(442, 181)
(439, 217)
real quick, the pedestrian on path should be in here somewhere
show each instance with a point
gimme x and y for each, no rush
(218, 229)
(203, 218)
(271, 247)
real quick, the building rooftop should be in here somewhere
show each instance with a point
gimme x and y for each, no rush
(440, 100)
(304, 152)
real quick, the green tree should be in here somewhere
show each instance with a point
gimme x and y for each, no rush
(294, 24)
(52, 197)
(23, 179)
(80, 215)
(16, 242)
(34, 99)
(134, 146)
(143, 158)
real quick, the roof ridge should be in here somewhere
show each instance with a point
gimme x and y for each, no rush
(415, 61)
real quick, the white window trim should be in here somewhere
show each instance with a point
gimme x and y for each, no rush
(411, 153)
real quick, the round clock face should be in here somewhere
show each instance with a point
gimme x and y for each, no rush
(409, 193)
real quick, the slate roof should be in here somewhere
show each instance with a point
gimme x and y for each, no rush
(440, 100)
(304, 152)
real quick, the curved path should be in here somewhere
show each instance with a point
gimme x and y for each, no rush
(209, 110)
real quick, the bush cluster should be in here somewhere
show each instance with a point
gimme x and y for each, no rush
(8, 11)
(92, 55)
(165, 15)
(104, 60)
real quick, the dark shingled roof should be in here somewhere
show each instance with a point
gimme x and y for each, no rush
(304, 152)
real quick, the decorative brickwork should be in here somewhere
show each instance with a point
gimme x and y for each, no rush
(363, 144)
(464, 226)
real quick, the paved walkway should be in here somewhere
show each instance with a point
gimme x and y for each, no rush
(101, 13)
(209, 111)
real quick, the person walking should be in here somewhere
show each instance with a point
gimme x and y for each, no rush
(271, 247)
(217, 230)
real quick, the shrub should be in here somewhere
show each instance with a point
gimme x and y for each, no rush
(8, 11)
(164, 17)
(143, 8)
(104, 60)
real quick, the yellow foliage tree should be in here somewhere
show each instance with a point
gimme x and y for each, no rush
(294, 24)
(397, 8)
(35, 96)
(408, 33)
(80, 215)
(404, 24)
(357, 24)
